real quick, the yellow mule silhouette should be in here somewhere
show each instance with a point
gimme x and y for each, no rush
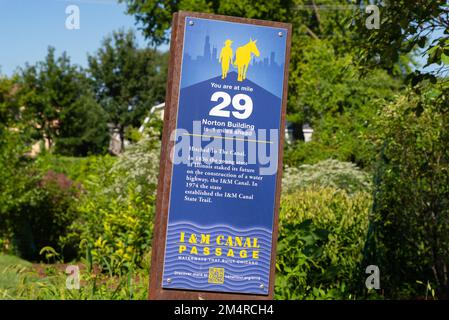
(243, 58)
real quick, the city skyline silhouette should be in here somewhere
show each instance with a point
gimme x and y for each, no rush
(263, 70)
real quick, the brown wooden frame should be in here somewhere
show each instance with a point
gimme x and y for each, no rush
(164, 182)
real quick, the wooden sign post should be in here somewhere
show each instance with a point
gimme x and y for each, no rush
(219, 186)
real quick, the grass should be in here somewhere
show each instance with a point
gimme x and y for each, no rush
(10, 267)
(20, 279)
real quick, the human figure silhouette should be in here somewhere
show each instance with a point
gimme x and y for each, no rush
(225, 59)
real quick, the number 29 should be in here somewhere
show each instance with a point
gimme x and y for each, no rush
(242, 110)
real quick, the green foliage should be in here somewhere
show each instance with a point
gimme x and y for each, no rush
(327, 87)
(12, 146)
(20, 280)
(9, 107)
(133, 134)
(409, 233)
(405, 27)
(43, 216)
(321, 236)
(139, 167)
(83, 129)
(333, 97)
(59, 106)
(118, 231)
(127, 80)
(341, 76)
(115, 216)
(15, 183)
(35, 202)
(329, 173)
(79, 169)
(10, 269)
(155, 16)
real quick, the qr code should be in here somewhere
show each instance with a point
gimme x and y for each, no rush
(216, 275)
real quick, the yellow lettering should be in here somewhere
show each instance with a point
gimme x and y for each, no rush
(192, 238)
(255, 245)
(205, 238)
(238, 241)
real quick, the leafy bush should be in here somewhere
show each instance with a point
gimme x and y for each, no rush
(117, 232)
(43, 216)
(77, 169)
(410, 227)
(12, 185)
(138, 166)
(322, 233)
(327, 173)
(34, 207)
(115, 216)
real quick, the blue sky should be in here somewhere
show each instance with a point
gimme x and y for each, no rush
(28, 27)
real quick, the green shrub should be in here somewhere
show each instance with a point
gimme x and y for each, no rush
(115, 216)
(15, 183)
(327, 173)
(76, 168)
(34, 204)
(301, 152)
(43, 216)
(117, 232)
(137, 166)
(410, 227)
(322, 233)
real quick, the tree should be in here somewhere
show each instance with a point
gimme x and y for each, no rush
(83, 128)
(13, 183)
(317, 25)
(127, 80)
(406, 26)
(54, 92)
(409, 232)
(340, 103)
(155, 16)
(8, 101)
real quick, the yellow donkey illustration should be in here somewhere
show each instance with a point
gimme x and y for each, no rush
(225, 58)
(243, 58)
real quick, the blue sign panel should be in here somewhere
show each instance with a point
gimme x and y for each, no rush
(225, 158)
